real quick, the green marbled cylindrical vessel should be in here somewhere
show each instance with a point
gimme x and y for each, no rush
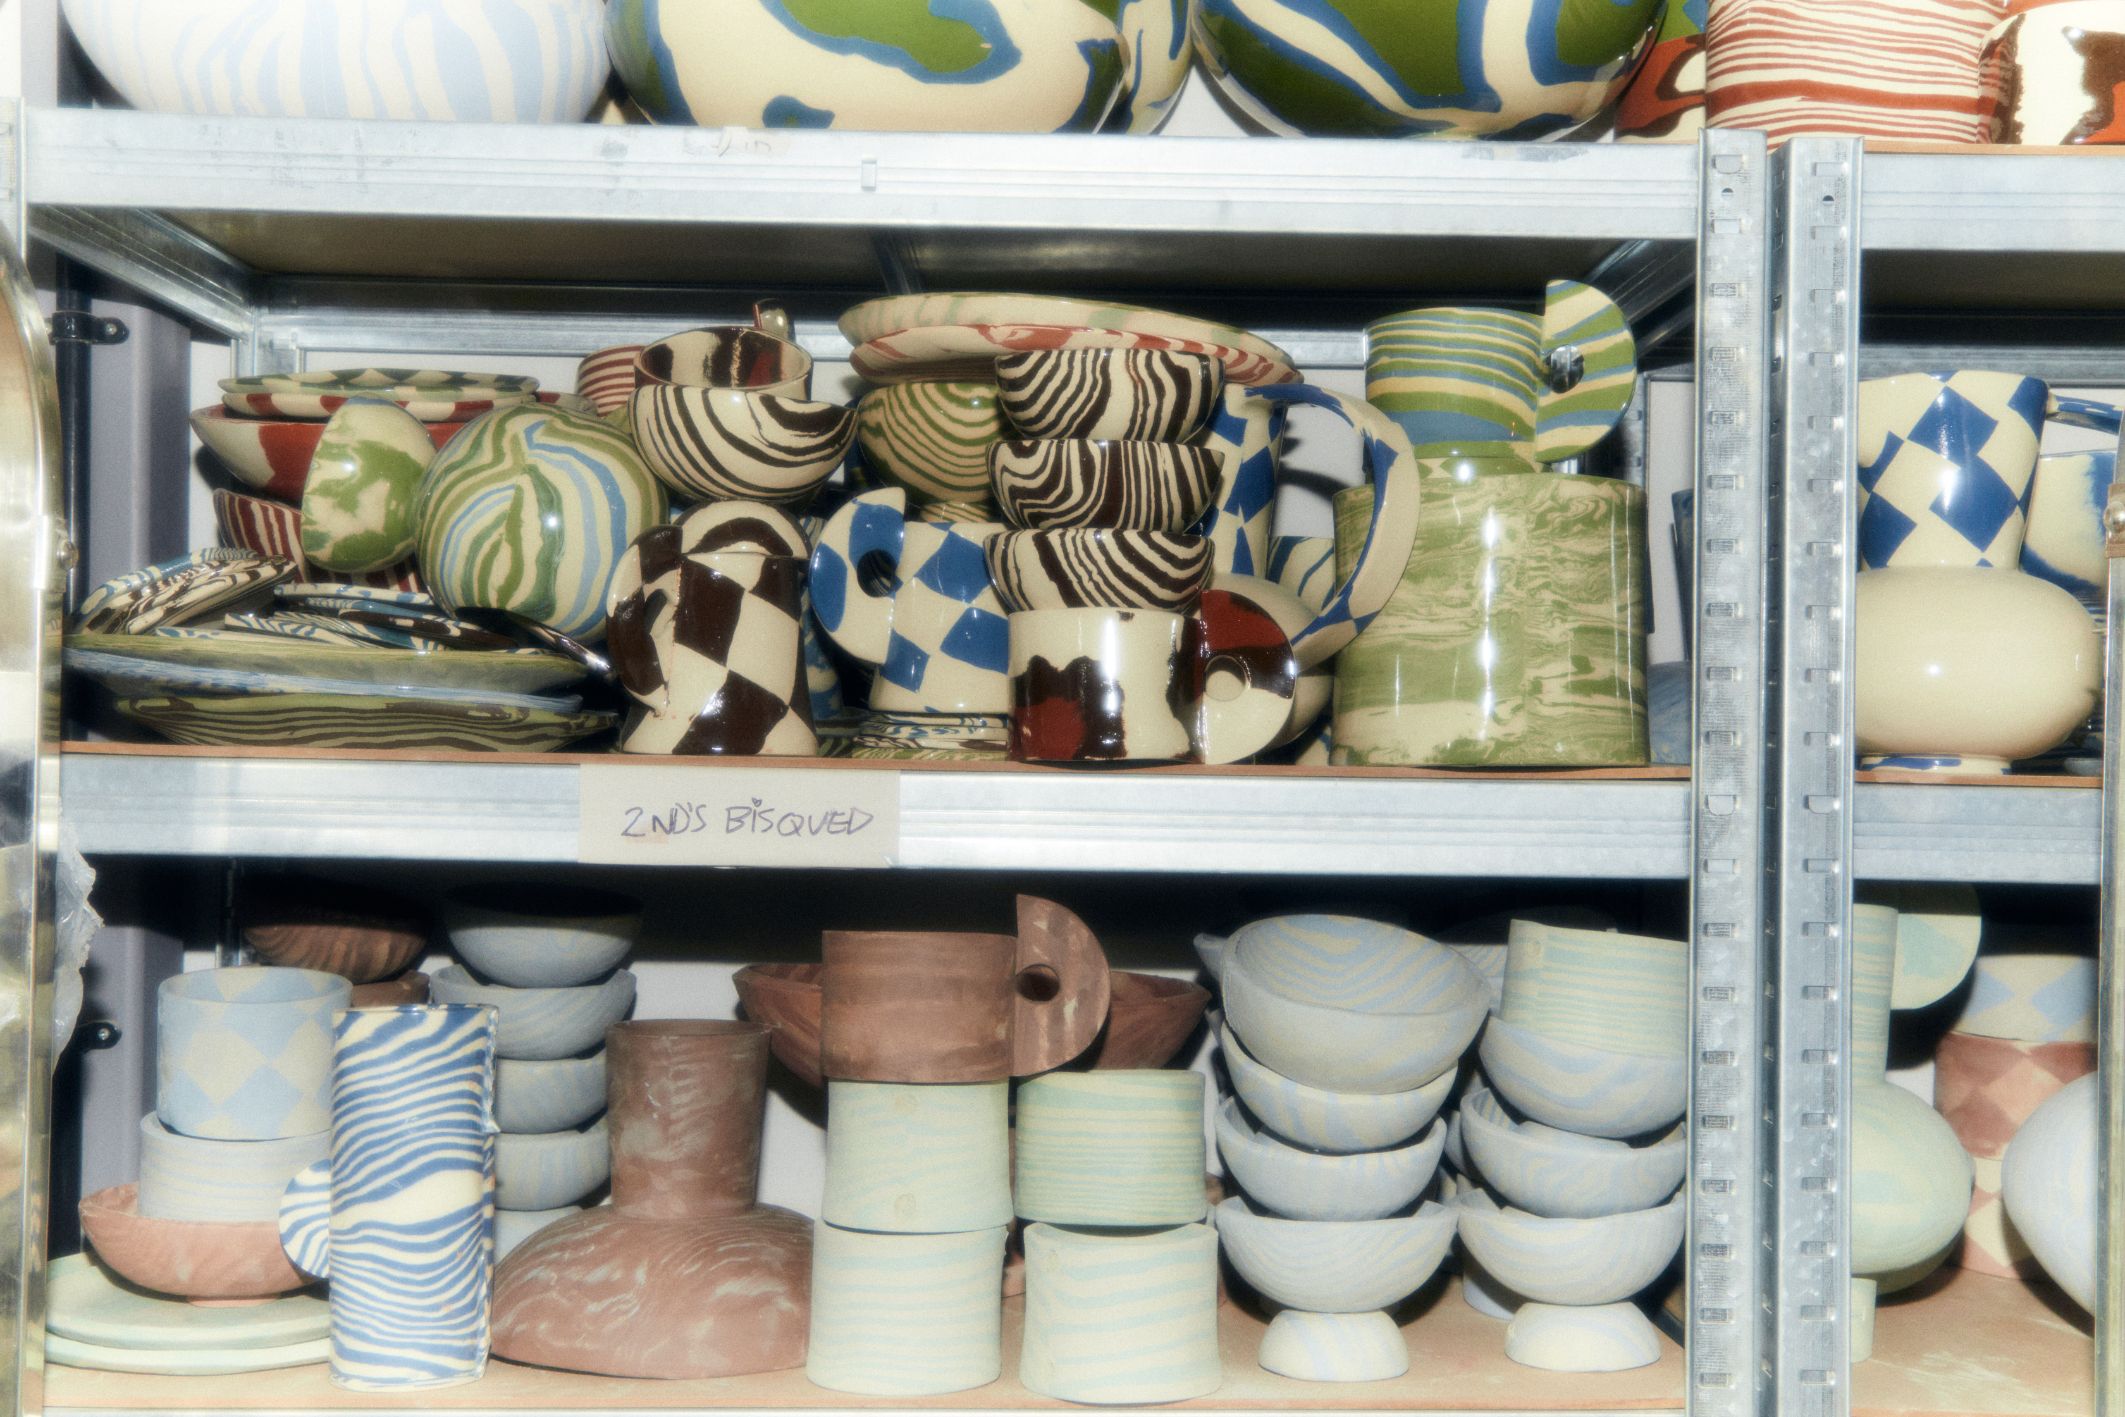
(1517, 635)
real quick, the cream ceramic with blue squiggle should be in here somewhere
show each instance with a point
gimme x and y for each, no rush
(905, 1315)
(1034, 66)
(1161, 54)
(1111, 1147)
(1121, 1318)
(471, 61)
(917, 1158)
(2063, 541)
(1598, 988)
(1511, 69)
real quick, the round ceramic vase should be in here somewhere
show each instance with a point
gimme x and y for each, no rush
(906, 1315)
(530, 509)
(1121, 1319)
(1030, 66)
(1121, 1147)
(2051, 75)
(1511, 69)
(245, 1054)
(357, 508)
(2052, 1190)
(1517, 635)
(1598, 988)
(918, 1158)
(1664, 101)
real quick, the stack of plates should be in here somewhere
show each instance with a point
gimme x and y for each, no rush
(95, 1320)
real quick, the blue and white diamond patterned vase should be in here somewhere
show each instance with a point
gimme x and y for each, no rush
(937, 638)
(400, 1217)
(246, 1054)
(1946, 461)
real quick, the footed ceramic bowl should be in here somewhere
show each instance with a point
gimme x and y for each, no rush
(931, 439)
(1562, 1174)
(737, 445)
(1082, 568)
(1334, 1122)
(492, 61)
(1145, 395)
(1081, 483)
(1574, 1261)
(1335, 1266)
(191, 1259)
(1347, 1005)
(786, 997)
(1306, 1185)
(727, 357)
(548, 1094)
(1579, 1089)
(542, 1023)
(547, 1170)
(357, 932)
(1510, 69)
(1010, 66)
(532, 935)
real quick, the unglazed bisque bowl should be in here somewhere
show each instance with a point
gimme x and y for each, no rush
(1335, 1266)
(535, 935)
(1574, 1261)
(191, 1259)
(786, 997)
(548, 1094)
(1030, 66)
(356, 931)
(1307, 1185)
(542, 1023)
(1575, 1088)
(547, 1170)
(1556, 1173)
(1136, 486)
(489, 61)
(1144, 395)
(1332, 1122)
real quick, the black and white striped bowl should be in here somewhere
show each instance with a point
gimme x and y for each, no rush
(1150, 395)
(1135, 486)
(736, 444)
(1077, 568)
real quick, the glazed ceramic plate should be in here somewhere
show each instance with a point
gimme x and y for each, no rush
(431, 395)
(378, 720)
(184, 588)
(184, 1362)
(505, 672)
(319, 629)
(124, 674)
(86, 1304)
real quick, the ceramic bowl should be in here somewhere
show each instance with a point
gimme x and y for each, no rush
(513, 1227)
(547, 1170)
(405, 990)
(548, 1094)
(1306, 1185)
(430, 395)
(1570, 1261)
(2050, 74)
(202, 1179)
(1335, 1122)
(1013, 66)
(531, 935)
(1579, 1089)
(727, 357)
(1347, 1005)
(188, 1258)
(359, 932)
(542, 1023)
(1082, 568)
(1481, 69)
(607, 377)
(1598, 988)
(1555, 1173)
(1335, 1266)
(739, 445)
(786, 998)
(932, 439)
(245, 1054)
(1132, 486)
(495, 61)
(1146, 395)
(1149, 1017)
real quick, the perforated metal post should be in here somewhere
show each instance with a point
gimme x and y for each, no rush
(1818, 330)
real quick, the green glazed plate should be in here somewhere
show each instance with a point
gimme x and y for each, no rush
(498, 671)
(359, 721)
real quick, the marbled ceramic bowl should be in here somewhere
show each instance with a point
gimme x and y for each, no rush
(931, 439)
(607, 377)
(542, 1023)
(396, 993)
(201, 1179)
(1335, 1122)
(1347, 1005)
(1335, 1266)
(359, 932)
(1075, 482)
(1556, 1173)
(547, 1170)
(1081, 568)
(1149, 1017)
(727, 357)
(1146, 395)
(548, 1094)
(1307, 1185)
(532, 935)
(786, 997)
(1574, 1261)
(738, 445)
(272, 455)
(1586, 1090)
(192, 1259)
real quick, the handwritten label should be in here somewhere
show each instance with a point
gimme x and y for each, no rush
(708, 816)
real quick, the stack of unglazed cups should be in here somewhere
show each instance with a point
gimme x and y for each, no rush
(1342, 1039)
(1573, 1154)
(1121, 1273)
(550, 959)
(920, 1035)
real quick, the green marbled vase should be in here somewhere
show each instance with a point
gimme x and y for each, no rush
(1517, 635)
(357, 507)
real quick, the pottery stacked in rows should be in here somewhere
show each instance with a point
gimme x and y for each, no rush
(1342, 1040)
(1573, 1157)
(243, 1072)
(551, 960)
(919, 1038)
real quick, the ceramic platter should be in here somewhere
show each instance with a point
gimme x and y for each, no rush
(184, 1362)
(958, 336)
(489, 672)
(381, 719)
(184, 588)
(431, 395)
(86, 1304)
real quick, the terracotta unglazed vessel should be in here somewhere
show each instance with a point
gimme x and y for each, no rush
(684, 1275)
(359, 932)
(203, 1260)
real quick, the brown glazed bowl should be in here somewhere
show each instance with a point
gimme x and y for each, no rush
(1148, 1018)
(202, 1260)
(409, 988)
(357, 932)
(787, 998)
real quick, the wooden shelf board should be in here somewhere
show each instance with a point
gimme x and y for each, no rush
(1972, 1345)
(1457, 1363)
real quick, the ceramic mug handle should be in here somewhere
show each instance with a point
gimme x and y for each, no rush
(873, 524)
(2085, 413)
(771, 319)
(1593, 366)
(1048, 1031)
(306, 1220)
